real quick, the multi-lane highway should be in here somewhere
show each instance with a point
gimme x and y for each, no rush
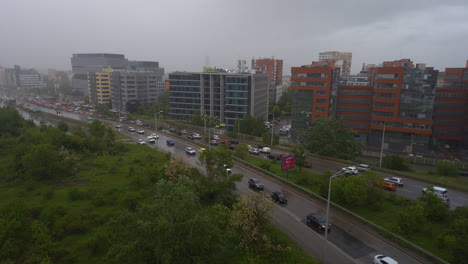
(350, 242)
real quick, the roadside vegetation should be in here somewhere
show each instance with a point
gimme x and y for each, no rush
(426, 222)
(85, 198)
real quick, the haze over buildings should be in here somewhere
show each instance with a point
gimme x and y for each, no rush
(43, 34)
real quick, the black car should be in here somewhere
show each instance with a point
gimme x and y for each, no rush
(279, 197)
(256, 184)
(317, 221)
(232, 147)
(235, 142)
(191, 137)
(273, 156)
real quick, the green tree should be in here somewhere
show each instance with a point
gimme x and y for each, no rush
(395, 162)
(196, 118)
(434, 208)
(276, 111)
(43, 163)
(300, 156)
(242, 149)
(62, 126)
(172, 228)
(447, 169)
(215, 162)
(350, 191)
(412, 219)
(266, 138)
(246, 220)
(332, 138)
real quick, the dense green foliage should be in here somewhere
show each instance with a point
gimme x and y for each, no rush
(332, 138)
(85, 198)
(395, 162)
(250, 126)
(447, 169)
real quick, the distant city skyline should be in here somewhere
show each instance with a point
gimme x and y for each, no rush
(180, 35)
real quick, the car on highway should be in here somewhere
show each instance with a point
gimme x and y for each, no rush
(317, 221)
(445, 200)
(118, 126)
(150, 139)
(389, 186)
(190, 151)
(201, 150)
(190, 137)
(196, 136)
(437, 190)
(382, 259)
(170, 142)
(214, 142)
(279, 197)
(184, 131)
(254, 151)
(233, 141)
(274, 156)
(215, 137)
(256, 184)
(308, 165)
(155, 136)
(131, 129)
(232, 147)
(398, 181)
(349, 171)
(140, 141)
(362, 167)
(266, 150)
(141, 132)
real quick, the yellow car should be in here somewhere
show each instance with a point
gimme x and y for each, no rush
(201, 150)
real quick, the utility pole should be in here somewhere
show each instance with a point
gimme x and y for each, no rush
(381, 148)
(272, 129)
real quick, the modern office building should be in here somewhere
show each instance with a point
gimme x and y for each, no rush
(134, 88)
(314, 94)
(82, 63)
(397, 99)
(342, 60)
(451, 111)
(229, 96)
(241, 66)
(273, 67)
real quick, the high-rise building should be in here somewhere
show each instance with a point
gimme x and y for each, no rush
(314, 92)
(399, 99)
(342, 60)
(82, 63)
(273, 67)
(451, 110)
(99, 87)
(229, 96)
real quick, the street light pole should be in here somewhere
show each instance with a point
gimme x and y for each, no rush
(327, 213)
(272, 129)
(381, 147)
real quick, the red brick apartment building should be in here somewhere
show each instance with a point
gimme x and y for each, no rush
(273, 66)
(314, 93)
(451, 110)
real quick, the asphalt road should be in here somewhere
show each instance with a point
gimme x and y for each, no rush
(349, 243)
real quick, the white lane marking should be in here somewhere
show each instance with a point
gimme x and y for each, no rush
(289, 213)
(405, 190)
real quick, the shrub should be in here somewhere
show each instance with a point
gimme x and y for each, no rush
(447, 169)
(76, 195)
(395, 162)
(265, 166)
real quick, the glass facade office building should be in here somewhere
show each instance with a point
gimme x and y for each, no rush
(225, 95)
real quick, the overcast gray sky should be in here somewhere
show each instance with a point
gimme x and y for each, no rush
(181, 34)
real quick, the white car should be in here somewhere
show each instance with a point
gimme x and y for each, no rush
(141, 132)
(155, 136)
(348, 171)
(190, 151)
(131, 129)
(362, 167)
(196, 136)
(266, 150)
(140, 141)
(381, 259)
(396, 180)
(215, 137)
(254, 151)
(151, 139)
(118, 126)
(184, 131)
